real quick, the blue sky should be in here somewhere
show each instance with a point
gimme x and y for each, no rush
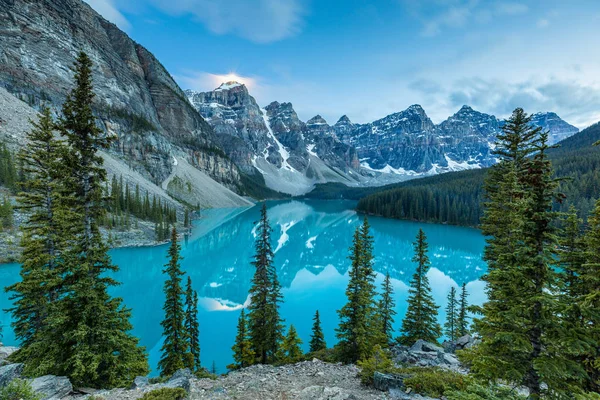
(368, 59)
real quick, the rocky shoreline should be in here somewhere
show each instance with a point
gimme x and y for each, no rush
(307, 380)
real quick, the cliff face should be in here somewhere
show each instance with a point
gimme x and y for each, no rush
(137, 99)
(273, 142)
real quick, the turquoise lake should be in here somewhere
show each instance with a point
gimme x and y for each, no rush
(311, 241)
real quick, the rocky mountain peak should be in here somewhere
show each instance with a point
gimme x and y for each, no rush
(344, 120)
(232, 86)
(316, 120)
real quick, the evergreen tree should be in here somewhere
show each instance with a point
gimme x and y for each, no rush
(243, 355)
(42, 241)
(522, 338)
(420, 321)
(386, 308)
(452, 316)
(317, 338)
(462, 323)
(192, 327)
(89, 328)
(175, 348)
(213, 368)
(290, 348)
(8, 169)
(359, 329)
(265, 325)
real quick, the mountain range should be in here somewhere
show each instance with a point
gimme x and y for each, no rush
(214, 148)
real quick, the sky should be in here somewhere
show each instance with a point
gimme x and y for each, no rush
(368, 59)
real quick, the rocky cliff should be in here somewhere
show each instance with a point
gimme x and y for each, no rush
(289, 155)
(137, 99)
(408, 143)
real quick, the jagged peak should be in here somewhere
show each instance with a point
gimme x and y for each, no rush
(465, 108)
(230, 85)
(344, 120)
(316, 120)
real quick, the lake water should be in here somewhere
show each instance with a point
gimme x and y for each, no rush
(311, 241)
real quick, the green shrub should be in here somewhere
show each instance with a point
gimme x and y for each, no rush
(165, 394)
(204, 373)
(435, 382)
(158, 379)
(18, 389)
(378, 362)
(479, 391)
(326, 355)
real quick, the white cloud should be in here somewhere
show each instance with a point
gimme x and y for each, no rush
(460, 13)
(108, 10)
(261, 21)
(205, 81)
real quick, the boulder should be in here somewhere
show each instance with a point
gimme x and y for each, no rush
(421, 345)
(6, 351)
(50, 387)
(385, 382)
(10, 372)
(140, 382)
(180, 379)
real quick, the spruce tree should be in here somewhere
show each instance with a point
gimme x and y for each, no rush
(462, 323)
(90, 329)
(42, 242)
(290, 348)
(265, 325)
(522, 337)
(317, 338)
(420, 321)
(192, 327)
(359, 328)
(452, 316)
(243, 355)
(175, 348)
(386, 309)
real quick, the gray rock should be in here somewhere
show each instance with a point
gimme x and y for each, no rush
(180, 379)
(52, 387)
(421, 345)
(385, 382)
(324, 393)
(140, 382)
(10, 372)
(463, 341)
(6, 351)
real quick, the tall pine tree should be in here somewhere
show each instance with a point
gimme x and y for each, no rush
(386, 308)
(420, 321)
(359, 328)
(317, 338)
(192, 326)
(265, 324)
(243, 355)
(522, 339)
(43, 232)
(462, 323)
(452, 315)
(90, 329)
(175, 348)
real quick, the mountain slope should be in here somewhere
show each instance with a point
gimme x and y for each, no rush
(272, 144)
(456, 197)
(137, 100)
(408, 143)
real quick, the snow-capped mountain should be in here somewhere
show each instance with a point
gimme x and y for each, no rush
(291, 156)
(409, 143)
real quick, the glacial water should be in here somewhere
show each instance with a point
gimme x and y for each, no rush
(311, 241)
